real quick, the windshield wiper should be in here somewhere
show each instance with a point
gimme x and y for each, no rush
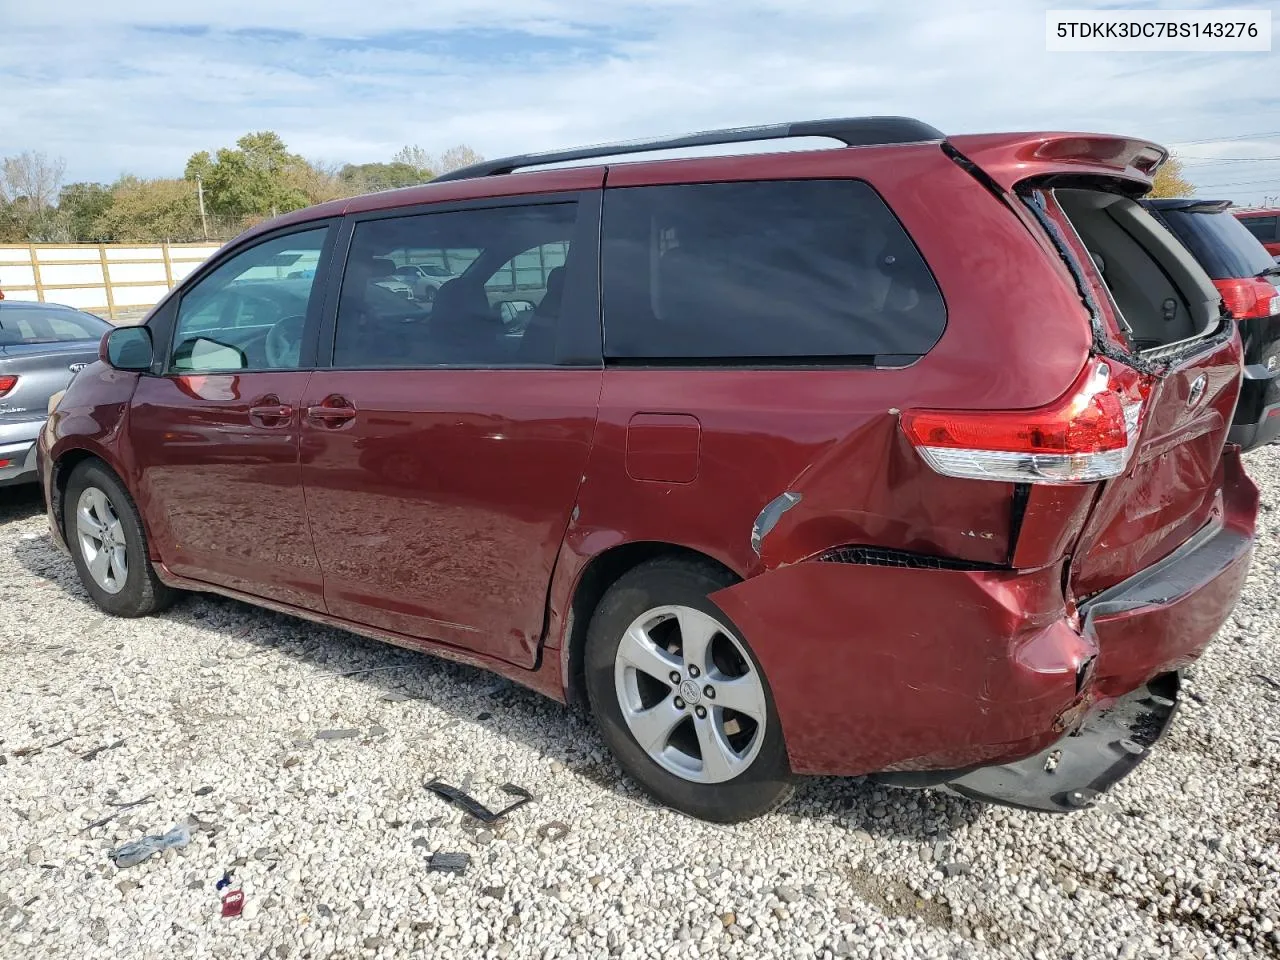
(1271, 271)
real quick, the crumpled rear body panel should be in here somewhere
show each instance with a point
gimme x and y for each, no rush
(877, 668)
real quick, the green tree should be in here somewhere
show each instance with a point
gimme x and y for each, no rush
(260, 177)
(371, 177)
(198, 166)
(150, 210)
(81, 206)
(1169, 181)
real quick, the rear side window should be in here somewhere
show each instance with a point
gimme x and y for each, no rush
(1220, 242)
(42, 325)
(502, 307)
(787, 271)
(1264, 228)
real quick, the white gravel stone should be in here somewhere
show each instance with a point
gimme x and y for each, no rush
(1183, 859)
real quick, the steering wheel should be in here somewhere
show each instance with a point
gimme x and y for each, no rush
(284, 342)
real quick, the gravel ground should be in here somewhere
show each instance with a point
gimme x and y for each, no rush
(218, 711)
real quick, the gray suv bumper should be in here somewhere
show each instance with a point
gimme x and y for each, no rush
(18, 447)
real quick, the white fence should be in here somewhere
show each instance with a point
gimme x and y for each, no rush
(110, 279)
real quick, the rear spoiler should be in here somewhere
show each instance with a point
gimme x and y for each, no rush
(1185, 205)
(1009, 158)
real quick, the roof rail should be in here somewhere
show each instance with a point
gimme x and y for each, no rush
(851, 131)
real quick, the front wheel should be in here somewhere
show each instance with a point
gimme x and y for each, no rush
(679, 697)
(109, 545)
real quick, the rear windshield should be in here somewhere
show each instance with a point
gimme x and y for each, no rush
(1222, 244)
(1264, 228)
(20, 324)
(782, 271)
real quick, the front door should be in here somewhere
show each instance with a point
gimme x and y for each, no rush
(442, 453)
(216, 435)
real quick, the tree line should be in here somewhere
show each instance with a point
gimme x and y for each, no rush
(239, 186)
(218, 195)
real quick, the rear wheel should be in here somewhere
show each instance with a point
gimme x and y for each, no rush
(108, 544)
(679, 697)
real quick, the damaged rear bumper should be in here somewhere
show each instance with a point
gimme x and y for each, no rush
(1072, 773)
(921, 677)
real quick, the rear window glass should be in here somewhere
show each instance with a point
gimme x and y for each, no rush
(36, 325)
(776, 270)
(1220, 242)
(1264, 228)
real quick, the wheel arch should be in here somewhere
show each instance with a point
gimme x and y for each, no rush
(597, 575)
(64, 463)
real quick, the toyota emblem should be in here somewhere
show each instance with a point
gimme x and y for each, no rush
(1197, 391)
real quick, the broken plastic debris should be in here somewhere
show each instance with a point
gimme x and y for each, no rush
(474, 807)
(225, 881)
(232, 903)
(136, 851)
(449, 862)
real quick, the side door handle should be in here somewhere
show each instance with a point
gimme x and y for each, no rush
(333, 411)
(270, 412)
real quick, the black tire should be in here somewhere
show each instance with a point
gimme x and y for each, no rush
(143, 593)
(767, 783)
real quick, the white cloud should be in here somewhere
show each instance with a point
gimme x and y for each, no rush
(114, 86)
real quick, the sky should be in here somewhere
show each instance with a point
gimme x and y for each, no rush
(137, 86)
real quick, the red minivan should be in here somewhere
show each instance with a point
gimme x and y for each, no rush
(1263, 224)
(905, 458)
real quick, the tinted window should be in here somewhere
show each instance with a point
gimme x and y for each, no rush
(1220, 242)
(249, 313)
(498, 304)
(1264, 228)
(758, 271)
(21, 324)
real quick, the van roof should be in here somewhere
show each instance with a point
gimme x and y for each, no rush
(1005, 157)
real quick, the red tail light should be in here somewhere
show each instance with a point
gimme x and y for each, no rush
(1249, 297)
(7, 384)
(1085, 436)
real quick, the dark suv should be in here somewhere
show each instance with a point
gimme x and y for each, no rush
(846, 461)
(1249, 281)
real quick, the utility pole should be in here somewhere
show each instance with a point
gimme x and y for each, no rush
(204, 223)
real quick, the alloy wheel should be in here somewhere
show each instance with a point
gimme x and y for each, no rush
(690, 694)
(102, 540)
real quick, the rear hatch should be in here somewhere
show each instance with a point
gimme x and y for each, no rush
(41, 347)
(1159, 327)
(31, 373)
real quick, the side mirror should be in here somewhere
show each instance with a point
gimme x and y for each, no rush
(511, 311)
(126, 348)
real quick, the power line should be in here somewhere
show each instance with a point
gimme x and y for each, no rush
(1206, 162)
(1243, 136)
(1237, 183)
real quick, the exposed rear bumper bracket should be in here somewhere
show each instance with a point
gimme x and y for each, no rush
(1071, 774)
